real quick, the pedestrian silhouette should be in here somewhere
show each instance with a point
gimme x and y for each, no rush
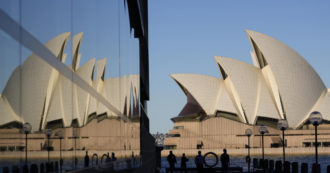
(184, 161)
(75, 162)
(113, 157)
(171, 159)
(199, 161)
(86, 160)
(108, 159)
(224, 160)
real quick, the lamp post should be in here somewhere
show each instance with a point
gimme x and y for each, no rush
(283, 125)
(248, 133)
(60, 136)
(48, 134)
(262, 131)
(316, 119)
(75, 135)
(27, 127)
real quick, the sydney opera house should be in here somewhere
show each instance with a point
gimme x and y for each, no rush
(49, 100)
(84, 76)
(280, 84)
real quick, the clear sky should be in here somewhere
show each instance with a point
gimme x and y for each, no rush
(185, 35)
(105, 27)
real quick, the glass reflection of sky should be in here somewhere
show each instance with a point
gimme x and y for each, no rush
(105, 25)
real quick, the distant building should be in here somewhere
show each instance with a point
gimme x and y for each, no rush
(280, 84)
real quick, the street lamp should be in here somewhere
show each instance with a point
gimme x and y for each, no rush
(283, 125)
(316, 119)
(75, 135)
(27, 127)
(48, 134)
(60, 136)
(248, 133)
(262, 131)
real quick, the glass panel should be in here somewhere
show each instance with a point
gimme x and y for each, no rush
(83, 98)
(129, 76)
(11, 139)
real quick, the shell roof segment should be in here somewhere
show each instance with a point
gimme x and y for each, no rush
(296, 78)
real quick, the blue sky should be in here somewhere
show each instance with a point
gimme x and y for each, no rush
(102, 28)
(185, 35)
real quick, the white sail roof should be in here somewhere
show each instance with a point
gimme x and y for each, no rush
(203, 88)
(29, 101)
(252, 91)
(296, 78)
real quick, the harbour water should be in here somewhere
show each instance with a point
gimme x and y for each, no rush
(239, 161)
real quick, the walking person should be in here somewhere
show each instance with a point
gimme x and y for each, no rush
(184, 161)
(199, 161)
(224, 160)
(171, 159)
(86, 160)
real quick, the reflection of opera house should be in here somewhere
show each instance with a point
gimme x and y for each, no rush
(37, 93)
(280, 84)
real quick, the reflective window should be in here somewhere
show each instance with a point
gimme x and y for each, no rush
(69, 85)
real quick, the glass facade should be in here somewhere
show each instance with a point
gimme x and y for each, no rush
(77, 72)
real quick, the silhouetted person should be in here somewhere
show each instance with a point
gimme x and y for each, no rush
(224, 160)
(171, 159)
(113, 157)
(184, 161)
(109, 162)
(199, 161)
(133, 158)
(75, 162)
(61, 163)
(108, 159)
(86, 160)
